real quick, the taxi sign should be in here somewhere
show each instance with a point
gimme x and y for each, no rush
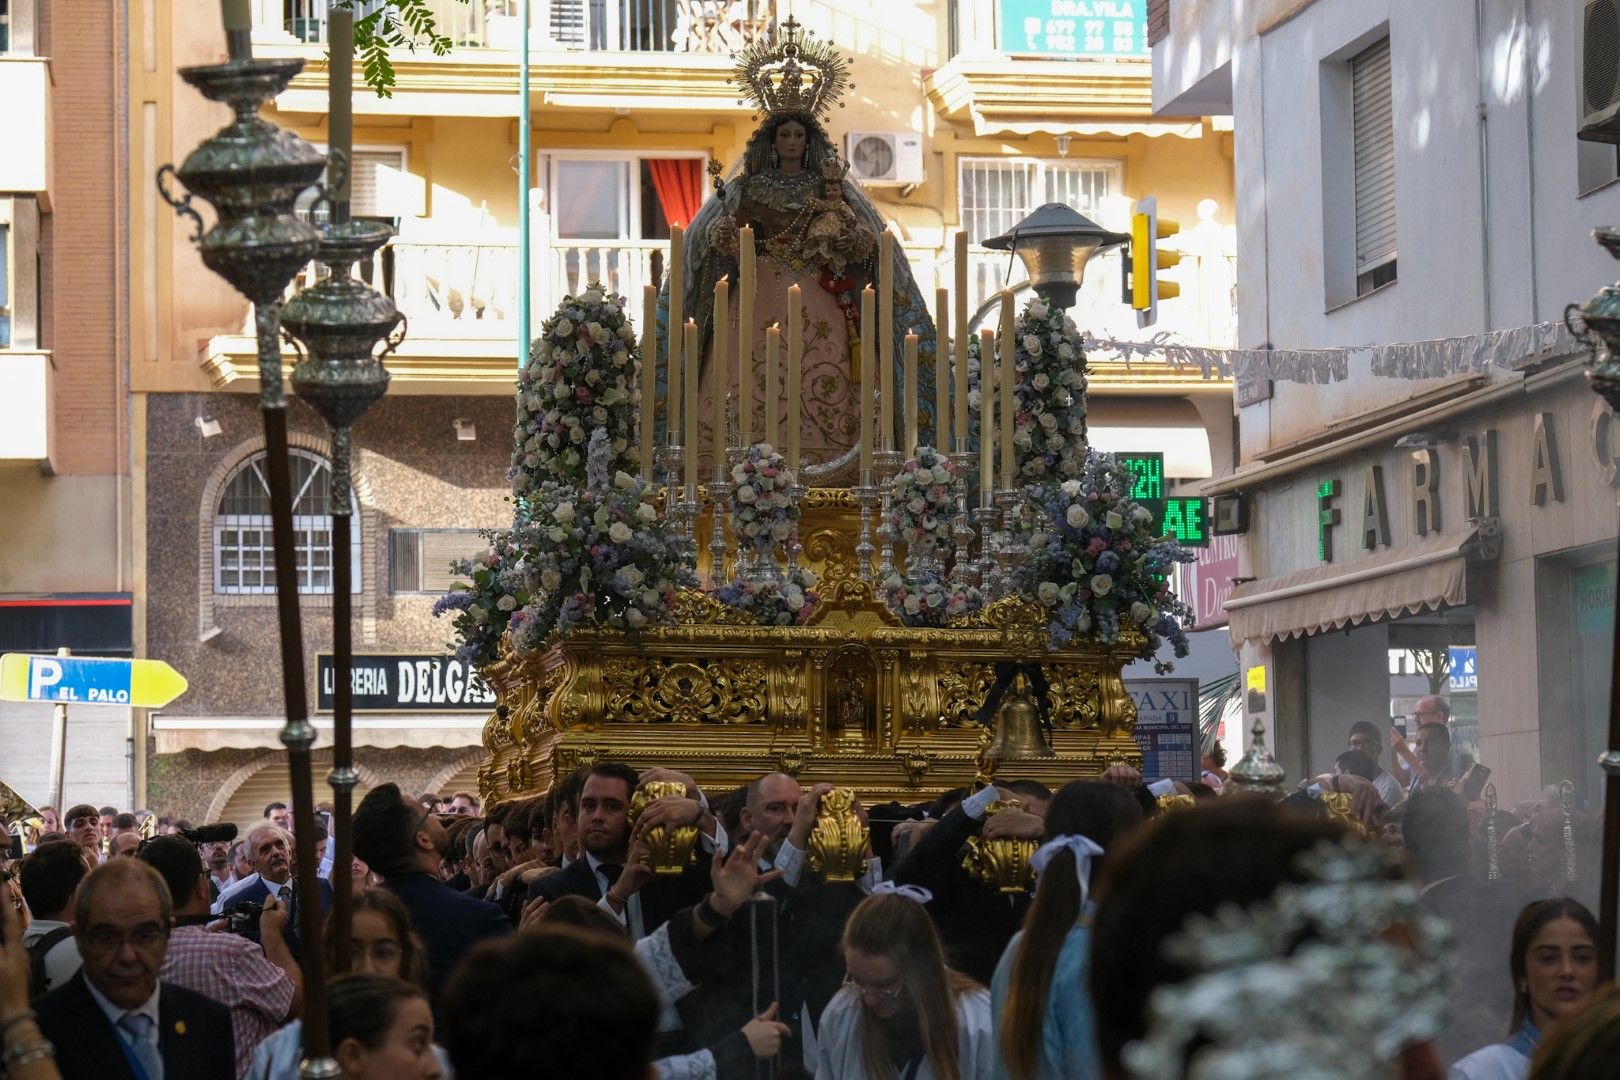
(86, 680)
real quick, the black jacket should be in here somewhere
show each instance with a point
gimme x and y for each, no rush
(194, 1035)
(448, 922)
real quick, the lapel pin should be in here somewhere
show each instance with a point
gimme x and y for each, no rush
(179, 1027)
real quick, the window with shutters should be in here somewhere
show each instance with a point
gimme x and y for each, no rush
(378, 185)
(244, 555)
(419, 559)
(1373, 131)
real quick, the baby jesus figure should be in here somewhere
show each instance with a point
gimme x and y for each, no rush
(834, 239)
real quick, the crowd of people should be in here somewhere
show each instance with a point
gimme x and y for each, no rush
(536, 938)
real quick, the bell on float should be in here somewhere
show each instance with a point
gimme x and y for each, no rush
(1018, 727)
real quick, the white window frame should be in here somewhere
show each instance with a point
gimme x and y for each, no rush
(1114, 167)
(630, 223)
(305, 528)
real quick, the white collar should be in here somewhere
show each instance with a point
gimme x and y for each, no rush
(115, 1013)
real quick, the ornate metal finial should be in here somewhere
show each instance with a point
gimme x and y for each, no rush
(669, 848)
(1493, 841)
(794, 74)
(1258, 772)
(838, 841)
(1566, 804)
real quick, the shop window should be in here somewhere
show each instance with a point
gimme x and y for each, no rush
(244, 558)
(419, 559)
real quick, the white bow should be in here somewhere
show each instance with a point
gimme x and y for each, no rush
(915, 893)
(1085, 849)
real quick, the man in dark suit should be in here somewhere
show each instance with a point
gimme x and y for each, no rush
(114, 1020)
(404, 843)
(611, 872)
(269, 848)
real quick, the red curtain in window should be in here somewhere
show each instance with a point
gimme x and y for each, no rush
(679, 184)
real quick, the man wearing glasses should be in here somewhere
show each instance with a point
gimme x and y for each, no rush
(115, 1019)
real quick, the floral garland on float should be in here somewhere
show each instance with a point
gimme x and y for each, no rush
(921, 511)
(497, 586)
(1049, 424)
(580, 378)
(1091, 563)
(764, 515)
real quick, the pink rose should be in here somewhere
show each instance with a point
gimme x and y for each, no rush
(1097, 546)
(582, 394)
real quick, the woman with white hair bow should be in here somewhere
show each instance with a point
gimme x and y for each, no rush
(1043, 1018)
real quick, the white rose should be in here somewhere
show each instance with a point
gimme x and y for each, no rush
(564, 513)
(651, 597)
(592, 377)
(1040, 381)
(576, 435)
(912, 605)
(506, 603)
(1036, 309)
(916, 505)
(1047, 592)
(794, 598)
(1083, 623)
(1066, 351)
(478, 613)
(1076, 514)
(646, 514)
(598, 332)
(599, 414)
(1032, 345)
(781, 530)
(1113, 520)
(1142, 515)
(1070, 487)
(632, 575)
(635, 618)
(592, 296)
(1101, 584)
(619, 532)
(557, 533)
(746, 494)
(563, 327)
(1141, 613)
(1048, 421)
(550, 579)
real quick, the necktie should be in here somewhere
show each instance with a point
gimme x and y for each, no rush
(137, 1028)
(286, 894)
(611, 872)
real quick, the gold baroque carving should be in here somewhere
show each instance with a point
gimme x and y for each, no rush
(830, 499)
(834, 552)
(963, 687)
(647, 690)
(1072, 692)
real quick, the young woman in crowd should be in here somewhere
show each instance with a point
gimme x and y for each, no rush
(381, 1029)
(1586, 1043)
(1553, 961)
(381, 943)
(902, 1014)
(1044, 1025)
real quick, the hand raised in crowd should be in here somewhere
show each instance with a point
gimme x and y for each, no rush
(635, 874)
(533, 912)
(273, 920)
(735, 878)
(804, 817)
(1013, 824)
(1122, 776)
(765, 1034)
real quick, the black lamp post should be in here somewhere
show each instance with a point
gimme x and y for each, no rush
(1055, 242)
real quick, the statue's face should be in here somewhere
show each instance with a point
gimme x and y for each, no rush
(790, 140)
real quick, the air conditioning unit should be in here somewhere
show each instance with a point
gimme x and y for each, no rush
(885, 157)
(1600, 72)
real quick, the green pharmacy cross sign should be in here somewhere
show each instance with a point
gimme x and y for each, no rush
(1184, 517)
(1074, 28)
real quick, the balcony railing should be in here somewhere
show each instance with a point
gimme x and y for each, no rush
(663, 26)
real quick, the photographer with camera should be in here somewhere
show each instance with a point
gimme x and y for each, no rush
(262, 988)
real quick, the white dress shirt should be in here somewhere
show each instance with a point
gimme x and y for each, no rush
(115, 1013)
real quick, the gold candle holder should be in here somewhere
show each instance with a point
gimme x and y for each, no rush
(669, 851)
(838, 841)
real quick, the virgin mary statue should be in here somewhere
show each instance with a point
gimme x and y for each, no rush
(812, 228)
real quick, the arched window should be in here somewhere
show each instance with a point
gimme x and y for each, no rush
(244, 558)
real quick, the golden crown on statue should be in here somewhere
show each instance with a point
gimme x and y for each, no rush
(792, 74)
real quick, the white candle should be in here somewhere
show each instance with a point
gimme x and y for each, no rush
(644, 376)
(942, 372)
(987, 413)
(1009, 403)
(745, 337)
(885, 350)
(674, 383)
(910, 374)
(961, 342)
(720, 374)
(773, 347)
(868, 385)
(795, 395)
(690, 348)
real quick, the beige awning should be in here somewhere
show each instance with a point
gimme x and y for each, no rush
(1425, 575)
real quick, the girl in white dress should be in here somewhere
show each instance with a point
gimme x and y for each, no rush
(902, 1014)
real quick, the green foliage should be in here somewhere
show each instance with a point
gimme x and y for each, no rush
(396, 24)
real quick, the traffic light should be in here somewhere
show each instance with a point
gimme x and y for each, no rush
(1148, 258)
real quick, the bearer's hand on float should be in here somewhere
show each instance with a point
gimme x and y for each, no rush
(804, 817)
(1013, 825)
(662, 775)
(1122, 776)
(735, 878)
(671, 811)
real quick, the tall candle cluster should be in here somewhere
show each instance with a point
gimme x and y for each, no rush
(782, 377)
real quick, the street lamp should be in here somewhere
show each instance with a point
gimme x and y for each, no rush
(1055, 243)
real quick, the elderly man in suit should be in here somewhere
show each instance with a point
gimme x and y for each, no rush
(405, 844)
(115, 1020)
(270, 848)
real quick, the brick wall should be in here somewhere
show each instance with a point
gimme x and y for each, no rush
(81, 247)
(1158, 20)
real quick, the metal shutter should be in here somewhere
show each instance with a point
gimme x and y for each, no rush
(441, 547)
(373, 191)
(1373, 118)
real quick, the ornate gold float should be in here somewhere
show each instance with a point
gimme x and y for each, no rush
(852, 697)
